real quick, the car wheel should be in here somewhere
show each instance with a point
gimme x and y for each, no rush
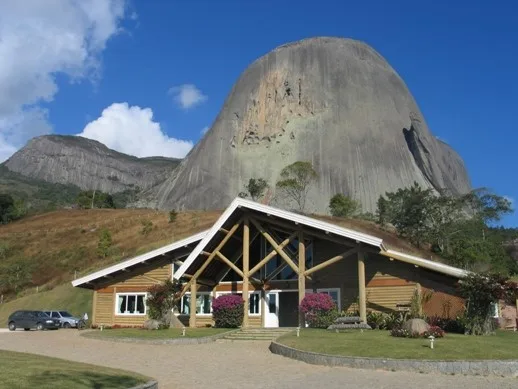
(12, 326)
(26, 329)
(66, 325)
(39, 327)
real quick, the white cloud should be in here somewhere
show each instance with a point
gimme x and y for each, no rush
(187, 95)
(131, 130)
(40, 39)
(204, 130)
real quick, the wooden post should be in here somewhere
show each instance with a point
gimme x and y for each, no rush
(94, 308)
(192, 309)
(263, 307)
(246, 257)
(302, 278)
(361, 286)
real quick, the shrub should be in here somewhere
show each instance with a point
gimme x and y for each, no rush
(395, 320)
(172, 215)
(161, 300)
(147, 227)
(376, 320)
(228, 310)
(343, 206)
(104, 244)
(319, 310)
(399, 332)
(454, 326)
(435, 331)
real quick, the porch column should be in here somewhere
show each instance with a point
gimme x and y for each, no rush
(361, 286)
(263, 307)
(246, 256)
(302, 277)
(192, 309)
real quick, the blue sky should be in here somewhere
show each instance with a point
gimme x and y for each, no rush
(459, 60)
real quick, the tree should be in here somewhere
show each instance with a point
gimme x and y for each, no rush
(255, 189)
(104, 244)
(6, 208)
(147, 227)
(343, 206)
(296, 180)
(94, 199)
(172, 215)
(488, 206)
(162, 299)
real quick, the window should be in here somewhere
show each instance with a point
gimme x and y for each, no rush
(55, 315)
(254, 304)
(131, 304)
(276, 263)
(203, 304)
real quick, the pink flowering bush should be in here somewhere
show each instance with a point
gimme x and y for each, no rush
(319, 310)
(228, 310)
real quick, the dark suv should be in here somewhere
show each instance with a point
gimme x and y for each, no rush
(32, 319)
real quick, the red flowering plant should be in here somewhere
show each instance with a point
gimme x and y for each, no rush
(162, 298)
(319, 310)
(228, 310)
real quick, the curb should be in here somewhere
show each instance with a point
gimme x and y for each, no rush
(506, 368)
(201, 340)
(147, 385)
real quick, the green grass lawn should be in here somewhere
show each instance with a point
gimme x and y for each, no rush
(19, 370)
(375, 343)
(64, 297)
(170, 333)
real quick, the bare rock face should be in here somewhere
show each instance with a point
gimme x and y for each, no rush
(87, 164)
(334, 102)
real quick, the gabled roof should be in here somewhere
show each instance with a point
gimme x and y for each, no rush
(325, 227)
(281, 214)
(139, 259)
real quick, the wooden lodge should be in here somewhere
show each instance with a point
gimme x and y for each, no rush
(273, 258)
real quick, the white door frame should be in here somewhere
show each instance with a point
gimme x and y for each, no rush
(271, 319)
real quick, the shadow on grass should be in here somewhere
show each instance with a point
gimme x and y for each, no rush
(83, 380)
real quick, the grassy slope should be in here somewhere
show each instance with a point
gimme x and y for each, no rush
(380, 344)
(20, 370)
(75, 300)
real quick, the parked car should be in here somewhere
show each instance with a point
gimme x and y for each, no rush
(32, 319)
(67, 320)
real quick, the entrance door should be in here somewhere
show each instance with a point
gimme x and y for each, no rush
(272, 310)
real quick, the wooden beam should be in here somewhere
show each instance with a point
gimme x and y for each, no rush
(230, 264)
(246, 258)
(361, 286)
(302, 279)
(275, 246)
(211, 256)
(192, 309)
(263, 307)
(233, 237)
(94, 309)
(272, 254)
(309, 233)
(202, 281)
(234, 259)
(330, 261)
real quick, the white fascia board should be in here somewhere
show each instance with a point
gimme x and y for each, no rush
(139, 259)
(286, 215)
(428, 264)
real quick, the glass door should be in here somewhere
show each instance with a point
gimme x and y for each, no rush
(272, 310)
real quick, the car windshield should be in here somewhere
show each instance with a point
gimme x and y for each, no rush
(65, 314)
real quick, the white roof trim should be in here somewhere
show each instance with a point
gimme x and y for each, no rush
(428, 264)
(141, 258)
(294, 217)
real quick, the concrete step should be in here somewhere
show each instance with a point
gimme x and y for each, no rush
(260, 334)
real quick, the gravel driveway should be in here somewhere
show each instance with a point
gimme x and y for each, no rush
(239, 365)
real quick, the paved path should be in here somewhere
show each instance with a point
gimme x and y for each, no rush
(239, 365)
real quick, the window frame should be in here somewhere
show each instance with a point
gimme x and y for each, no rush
(130, 294)
(197, 294)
